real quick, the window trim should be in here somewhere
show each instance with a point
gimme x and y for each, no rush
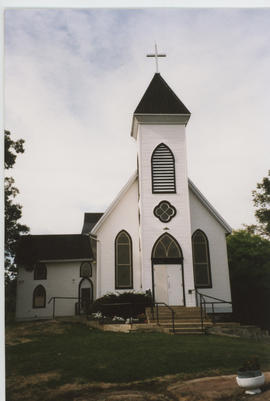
(209, 285)
(152, 173)
(37, 266)
(45, 295)
(169, 205)
(91, 287)
(117, 287)
(167, 260)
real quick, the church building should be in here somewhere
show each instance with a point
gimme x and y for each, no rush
(159, 234)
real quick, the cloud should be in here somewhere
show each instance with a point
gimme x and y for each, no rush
(74, 78)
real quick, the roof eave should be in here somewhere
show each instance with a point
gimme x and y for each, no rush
(157, 119)
(210, 208)
(114, 203)
(66, 260)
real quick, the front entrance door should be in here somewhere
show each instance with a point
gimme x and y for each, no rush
(168, 284)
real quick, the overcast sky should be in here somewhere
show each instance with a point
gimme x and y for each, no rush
(73, 79)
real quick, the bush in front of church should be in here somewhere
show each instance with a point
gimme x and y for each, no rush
(126, 304)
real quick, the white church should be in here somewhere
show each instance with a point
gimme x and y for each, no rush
(159, 234)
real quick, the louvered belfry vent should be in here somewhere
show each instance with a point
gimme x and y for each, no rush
(163, 170)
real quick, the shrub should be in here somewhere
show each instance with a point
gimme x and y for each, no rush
(125, 304)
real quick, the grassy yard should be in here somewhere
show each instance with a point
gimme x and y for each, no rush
(47, 355)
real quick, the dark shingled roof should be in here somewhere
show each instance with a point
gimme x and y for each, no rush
(32, 248)
(160, 99)
(90, 220)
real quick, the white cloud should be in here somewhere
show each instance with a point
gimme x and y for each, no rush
(74, 78)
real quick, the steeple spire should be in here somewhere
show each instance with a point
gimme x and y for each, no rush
(160, 99)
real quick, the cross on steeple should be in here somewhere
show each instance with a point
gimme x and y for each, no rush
(156, 55)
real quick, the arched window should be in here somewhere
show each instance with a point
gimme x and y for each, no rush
(123, 261)
(167, 250)
(201, 260)
(40, 272)
(39, 297)
(163, 170)
(86, 269)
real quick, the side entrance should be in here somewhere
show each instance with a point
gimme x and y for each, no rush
(167, 271)
(85, 294)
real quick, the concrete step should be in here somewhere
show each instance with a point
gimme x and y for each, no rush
(180, 309)
(186, 331)
(181, 321)
(181, 317)
(186, 324)
(177, 313)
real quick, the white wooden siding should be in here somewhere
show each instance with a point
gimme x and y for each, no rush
(62, 281)
(203, 220)
(124, 216)
(179, 227)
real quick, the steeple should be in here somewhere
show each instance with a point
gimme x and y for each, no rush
(159, 105)
(159, 98)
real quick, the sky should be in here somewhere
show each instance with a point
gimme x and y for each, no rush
(73, 78)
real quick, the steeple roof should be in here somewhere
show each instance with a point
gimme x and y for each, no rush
(159, 98)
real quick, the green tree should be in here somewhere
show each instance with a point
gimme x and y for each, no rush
(249, 263)
(13, 213)
(261, 200)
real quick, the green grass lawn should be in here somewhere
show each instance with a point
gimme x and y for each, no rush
(83, 355)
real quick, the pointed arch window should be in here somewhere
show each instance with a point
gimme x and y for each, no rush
(163, 170)
(201, 260)
(40, 272)
(39, 297)
(123, 261)
(167, 250)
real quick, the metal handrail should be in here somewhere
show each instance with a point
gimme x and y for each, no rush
(203, 304)
(54, 298)
(172, 311)
(217, 299)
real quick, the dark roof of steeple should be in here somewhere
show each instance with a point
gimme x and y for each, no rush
(159, 98)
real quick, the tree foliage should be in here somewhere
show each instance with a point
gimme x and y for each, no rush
(261, 200)
(13, 211)
(249, 263)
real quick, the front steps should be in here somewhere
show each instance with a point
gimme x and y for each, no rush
(186, 320)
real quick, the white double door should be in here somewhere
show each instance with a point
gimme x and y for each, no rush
(168, 284)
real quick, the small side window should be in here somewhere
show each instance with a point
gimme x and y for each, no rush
(39, 297)
(40, 272)
(86, 269)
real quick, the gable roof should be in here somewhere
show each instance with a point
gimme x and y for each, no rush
(209, 207)
(115, 202)
(90, 220)
(34, 248)
(159, 98)
(191, 186)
